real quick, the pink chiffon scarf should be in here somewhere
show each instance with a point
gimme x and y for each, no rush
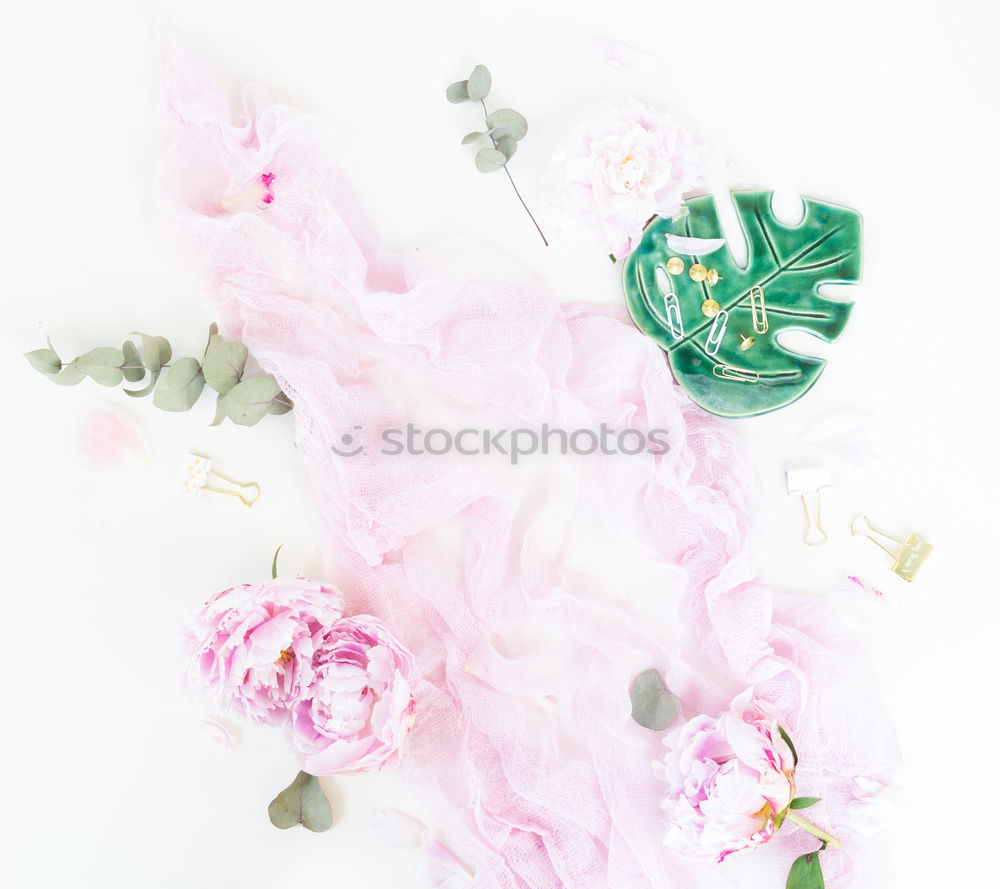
(531, 595)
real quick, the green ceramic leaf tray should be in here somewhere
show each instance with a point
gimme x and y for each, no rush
(788, 263)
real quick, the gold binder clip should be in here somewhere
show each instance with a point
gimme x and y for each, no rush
(198, 473)
(908, 559)
(728, 372)
(758, 308)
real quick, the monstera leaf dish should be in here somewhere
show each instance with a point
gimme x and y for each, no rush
(721, 332)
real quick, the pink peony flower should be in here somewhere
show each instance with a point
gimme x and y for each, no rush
(729, 782)
(358, 708)
(255, 643)
(620, 169)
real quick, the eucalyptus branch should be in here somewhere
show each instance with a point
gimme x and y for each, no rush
(504, 128)
(177, 385)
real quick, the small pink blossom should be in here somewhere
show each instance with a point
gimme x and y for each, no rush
(628, 164)
(729, 780)
(255, 196)
(254, 644)
(358, 708)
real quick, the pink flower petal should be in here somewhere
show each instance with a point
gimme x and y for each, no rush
(107, 437)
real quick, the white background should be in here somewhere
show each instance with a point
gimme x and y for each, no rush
(107, 780)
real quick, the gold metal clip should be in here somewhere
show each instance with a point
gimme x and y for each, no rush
(908, 559)
(806, 480)
(196, 477)
(727, 372)
(758, 308)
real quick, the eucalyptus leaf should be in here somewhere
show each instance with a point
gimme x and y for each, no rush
(654, 706)
(155, 351)
(154, 375)
(223, 364)
(458, 92)
(70, 375)
(507, 122)
(180, 387)
(302, 802)
(479, 83)
(507, 145)
(280, 405)
(489, 160)
(791, 746)
(45, 361)
(472, 137)
(220, 411)
(132, 369)
(803, 802)
(249, 401)
(806, 873)
(103, 365)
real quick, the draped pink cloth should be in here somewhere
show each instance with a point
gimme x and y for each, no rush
(530, 594)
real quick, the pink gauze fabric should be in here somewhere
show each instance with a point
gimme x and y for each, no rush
(531, 595)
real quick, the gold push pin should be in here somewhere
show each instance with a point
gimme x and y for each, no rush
(713, 277)
(198, 473)
(908, 559)
(675, 265)
(746, 342)
(698, 272)
(710, 308)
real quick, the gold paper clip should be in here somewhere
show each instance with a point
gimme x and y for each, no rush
(717, 332)
(908, 559)
(195, 479)
(810, 480)
(727, 372)
(758, 308)
(673, 308)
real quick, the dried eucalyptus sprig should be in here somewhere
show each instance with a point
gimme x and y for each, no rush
(504, 128)
(175, 386)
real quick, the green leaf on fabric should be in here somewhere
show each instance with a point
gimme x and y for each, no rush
(489, 160)
(803, 802)
(155, 351)
(785, 737)
(280, 405)
(180, 386)
(249, 401)
(223, 363)
(132, 369)
(789, 262)
(654, 706)
(302, 802)
(507, 122)
(478, 85)
(103, 365)
(45, 361)
(806, 873)
(458, 92)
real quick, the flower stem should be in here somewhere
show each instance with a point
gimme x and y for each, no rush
(812, 828)
(512, 185)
